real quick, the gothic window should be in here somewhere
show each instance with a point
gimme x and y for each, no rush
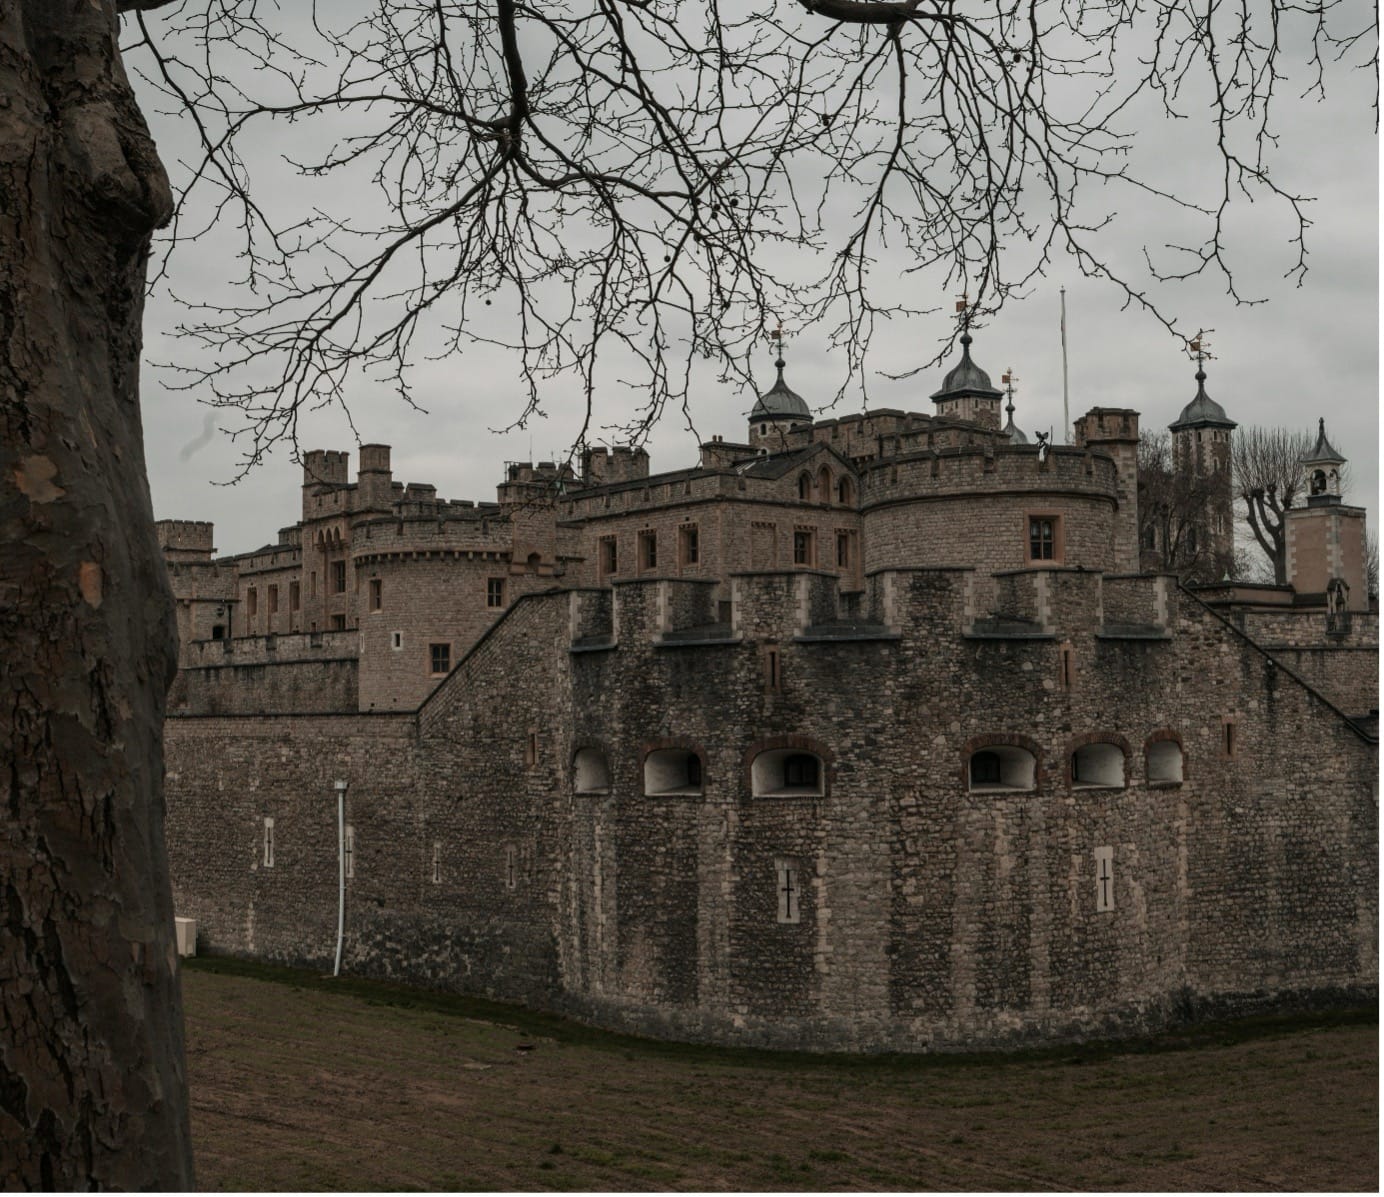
(845, 492)
(671, 771)
(1001, 767)
(590, 772)
(1098, 765)
(805, 487)
(824, 484)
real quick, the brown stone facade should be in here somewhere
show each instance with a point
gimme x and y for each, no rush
(860, 735)
(933, 914)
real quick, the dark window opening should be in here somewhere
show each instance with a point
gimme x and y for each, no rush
(801, 769)
(376, 594)
(985, 769)
(441, 657)
(1042, 539)
(338, 577)
(495, 592)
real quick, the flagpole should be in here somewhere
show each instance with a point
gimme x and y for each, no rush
(1066, 416)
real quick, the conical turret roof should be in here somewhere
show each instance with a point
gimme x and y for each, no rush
(1323, 451)
(966, 378)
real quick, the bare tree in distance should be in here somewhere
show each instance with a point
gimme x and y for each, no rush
(610, 178)
(615, 190)
(1268, 476)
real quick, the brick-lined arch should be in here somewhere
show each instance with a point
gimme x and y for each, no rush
(1097, 737)
(1003, 740)
(1165, 735)
(801, 744)
(661, 743)
(599, 746)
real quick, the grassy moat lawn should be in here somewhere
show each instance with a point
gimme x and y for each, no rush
(302, 1082)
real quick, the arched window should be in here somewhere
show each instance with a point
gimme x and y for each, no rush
(1164, 761)
(805, 487)
(1002, 767)
(671, 771)
(533, 562)
(1098, 765)
(824, 484)
(787, 772)
(590, 772)
(845, 492)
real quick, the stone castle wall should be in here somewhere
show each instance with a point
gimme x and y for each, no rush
(931, 915)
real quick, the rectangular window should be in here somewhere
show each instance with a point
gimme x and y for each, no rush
(1105, 879)
(251, 603)
(511, 867)
(688, 547)
(1043, 537)
(440, 656)
(376, 594)
(787, 881)
(773, 670)
(609, 556)
(338, 623)
(269, 843)
(339, 577)
(312, 588)
(273, 600)
(1228, 742)
(531, 749)
(396, 640)
(803, 548)
(844, 556)
(348, 851)
(495, 592)
(648, 550)
(437, 862)
(295, 596)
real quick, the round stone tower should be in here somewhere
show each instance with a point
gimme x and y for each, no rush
(1201, 456)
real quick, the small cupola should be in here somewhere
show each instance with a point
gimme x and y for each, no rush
(967, 393)
(1323, 465)
(779, 410)
(1202, 411)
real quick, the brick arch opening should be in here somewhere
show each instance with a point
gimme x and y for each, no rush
(787, 766)
(1164, 761)
(590, 770)
(1098, 760)
(1008, 762)
(673, 767)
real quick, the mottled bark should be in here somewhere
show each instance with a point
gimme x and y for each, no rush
(92, 1077)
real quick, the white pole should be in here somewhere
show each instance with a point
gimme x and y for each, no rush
(1066, 417)
(340, 872)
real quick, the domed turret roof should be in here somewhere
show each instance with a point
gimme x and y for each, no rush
(1203, 411)
(966, 378)
(1011, 430)
(780, 402)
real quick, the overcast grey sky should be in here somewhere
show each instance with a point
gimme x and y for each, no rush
(1310, 351)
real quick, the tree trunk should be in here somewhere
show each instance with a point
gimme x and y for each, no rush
(92, 1073)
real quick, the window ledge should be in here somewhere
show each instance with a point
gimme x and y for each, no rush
(593, 790)
(791, 792)
(1000, 788)
(683, 792)
(1098, 785)
(1165, 785)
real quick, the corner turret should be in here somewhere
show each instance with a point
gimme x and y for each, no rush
(779, 410)
(967, 393)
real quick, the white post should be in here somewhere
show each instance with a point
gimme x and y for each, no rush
(341, 872)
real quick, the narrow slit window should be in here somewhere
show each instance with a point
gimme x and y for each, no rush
(788, 884)
(437, 862)
(348, 854)
(269, 843)
(376, 594)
